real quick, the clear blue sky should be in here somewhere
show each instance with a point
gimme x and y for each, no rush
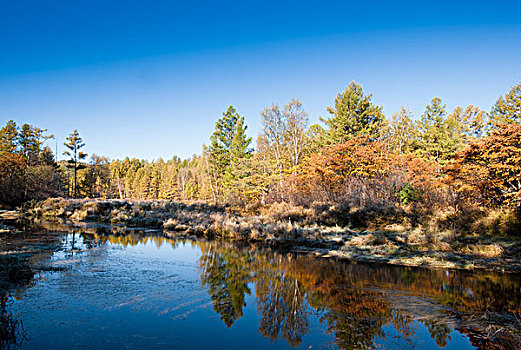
(149, 79)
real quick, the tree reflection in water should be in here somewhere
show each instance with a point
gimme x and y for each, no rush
(226, 273)
(280, 302)
(356, 301)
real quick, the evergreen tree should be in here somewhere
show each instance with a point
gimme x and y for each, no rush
(74, 144)
(212, 172)
(139, 183)
(101, 175)
(130, 177)
(316, 136)
(9, 137)
(116, 173)
(353, 114)
(46, 157)
(434, 132)
(440, 136)
(229, 145)
(168, 186)
(30, 139)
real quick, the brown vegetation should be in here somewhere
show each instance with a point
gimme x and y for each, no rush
(371, 234)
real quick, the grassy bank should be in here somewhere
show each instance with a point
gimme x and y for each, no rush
(381, 234)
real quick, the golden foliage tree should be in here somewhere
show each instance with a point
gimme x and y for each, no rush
(489, 170)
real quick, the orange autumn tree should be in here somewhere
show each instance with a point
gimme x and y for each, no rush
(489, 170)
(363, 172)
(12, 178)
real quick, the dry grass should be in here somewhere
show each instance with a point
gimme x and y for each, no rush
(483, 250)
(368, 239)
(475, 220)
(382, 232)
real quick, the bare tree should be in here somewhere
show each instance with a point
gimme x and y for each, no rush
(284, 132)
(296, 120)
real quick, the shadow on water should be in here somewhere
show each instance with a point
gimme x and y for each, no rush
(16, 273)
(18, 247)
(359, 305)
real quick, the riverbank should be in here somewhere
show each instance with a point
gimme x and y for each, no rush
(325, 231)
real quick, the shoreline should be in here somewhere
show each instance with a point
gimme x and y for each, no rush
(202, 220)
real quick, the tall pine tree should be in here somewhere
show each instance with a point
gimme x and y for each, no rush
(439, 136)
(353, 114)
(229, 145)
(74, 144)
(9, 137)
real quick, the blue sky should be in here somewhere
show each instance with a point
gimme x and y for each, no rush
(149, 79)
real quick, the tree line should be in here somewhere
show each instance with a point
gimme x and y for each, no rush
(357, 156)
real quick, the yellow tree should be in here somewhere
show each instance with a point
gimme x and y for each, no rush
(507, 109)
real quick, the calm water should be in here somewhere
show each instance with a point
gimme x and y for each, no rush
(139, 291)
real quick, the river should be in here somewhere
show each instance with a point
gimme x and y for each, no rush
(143, 290)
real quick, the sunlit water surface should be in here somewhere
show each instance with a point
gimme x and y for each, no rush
(150, 292)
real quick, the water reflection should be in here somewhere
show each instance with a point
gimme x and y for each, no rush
(16, 274)
(356, 301)
(282, 307)
(359, 305)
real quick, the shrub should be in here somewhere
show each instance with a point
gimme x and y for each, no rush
(408, 194)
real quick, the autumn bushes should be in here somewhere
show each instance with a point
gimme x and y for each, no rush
(489, 170)
(20, 182)
(486, 179)
(195, 219)
(321, 214)
(361, 183)
(478, 191)
(363, 173)
(12, 169)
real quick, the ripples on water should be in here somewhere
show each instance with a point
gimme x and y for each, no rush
(139, 291)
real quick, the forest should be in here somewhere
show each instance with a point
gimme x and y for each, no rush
(459, 168)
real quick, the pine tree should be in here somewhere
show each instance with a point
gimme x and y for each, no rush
(316, 136)
(353, 114)
(168, 186)
(129, 179)
(430, 129)
(440, 136)
(9, 137)
(229, 145)
(100, 168)
(212, 172)
(74, 144)
(46, 157)
(116, 173)
(30, 139)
